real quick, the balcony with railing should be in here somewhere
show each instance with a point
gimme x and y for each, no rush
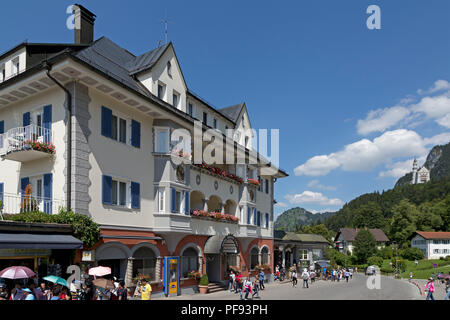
(26, 144)
(18, 203)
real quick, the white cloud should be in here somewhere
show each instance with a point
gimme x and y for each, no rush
(399, 169)
(444, 121)
(439, 139)
(322, 210)
(316, 184)
(314, 198)
(317, 166)
(439, 85)
(365, 154)
(381, 119)
(433, 107)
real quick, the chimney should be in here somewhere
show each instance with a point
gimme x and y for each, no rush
(84, 24)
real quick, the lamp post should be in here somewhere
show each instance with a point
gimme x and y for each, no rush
(396, 257)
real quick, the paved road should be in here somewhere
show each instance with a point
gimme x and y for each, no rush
(355, 289)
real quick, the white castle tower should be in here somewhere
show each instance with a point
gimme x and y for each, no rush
(421, 175)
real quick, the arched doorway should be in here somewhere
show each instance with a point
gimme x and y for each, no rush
(113, 255)
(189, 261)
(231, 207)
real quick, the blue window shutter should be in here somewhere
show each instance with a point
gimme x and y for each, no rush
(267, 221)
(267, 185)
(173, 200)
(48, 181)
(23, 184)
(186, 203)
(248, 215)
(26, 119)
(258, 219)
(135, 195)
(135, 134)
(2, 190)
(47, 122)
(107, 190)
(106, 122)
(255, 219)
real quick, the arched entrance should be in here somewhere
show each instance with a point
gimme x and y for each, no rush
(216, 248)
(113, 255)
(196, 200)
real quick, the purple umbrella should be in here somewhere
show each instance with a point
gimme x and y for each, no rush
(17, 272)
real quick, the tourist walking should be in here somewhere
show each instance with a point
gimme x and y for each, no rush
(231, 277)
(255, 288)
(305, 277)
(429, 287)
(346, 275)
(238, 285)
(247, 288)
(294, 278)
(261, 279)
(122, 292)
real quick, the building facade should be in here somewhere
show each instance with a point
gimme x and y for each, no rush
(434, 245)
(346, 236)
(419, 175)
(304, 250)
(120, 137)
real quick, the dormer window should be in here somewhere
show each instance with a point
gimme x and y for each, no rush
(215, 123)
(205, 118)
(246, 142)
(169, 69)
(190, 110)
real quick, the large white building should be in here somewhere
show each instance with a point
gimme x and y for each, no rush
(90, 126)
(434, 245)
(419, 175)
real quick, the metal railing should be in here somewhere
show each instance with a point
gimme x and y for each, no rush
(23, 138)
(18, 203)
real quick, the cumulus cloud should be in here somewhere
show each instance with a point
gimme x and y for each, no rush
(399, 169)
(439, 85)
(365, 154)
(439, 139)
(316, 184)
(411, 114)
(309, 197)
(381, 119)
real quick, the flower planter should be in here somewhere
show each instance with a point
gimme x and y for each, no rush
(203, 289)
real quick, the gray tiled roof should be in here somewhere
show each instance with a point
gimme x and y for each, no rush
(232, 112)
(349, 234)
(146, 60)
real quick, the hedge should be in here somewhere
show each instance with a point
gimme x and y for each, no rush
(84, 227)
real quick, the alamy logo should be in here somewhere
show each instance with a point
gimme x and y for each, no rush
(374, 280)
(374, 20)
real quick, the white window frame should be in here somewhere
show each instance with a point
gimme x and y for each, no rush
(156, 145)
(2, 72)
(122, 116)
(15, 66)
(169, 69)
(192, 109)
(203, 118)
(215, 124)
(127, 192)
(161, 200)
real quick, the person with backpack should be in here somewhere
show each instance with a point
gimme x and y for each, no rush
(429, 287)
(305, 277)
(294, 278)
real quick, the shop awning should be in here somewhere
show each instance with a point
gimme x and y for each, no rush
(38, 241)
(221, 244)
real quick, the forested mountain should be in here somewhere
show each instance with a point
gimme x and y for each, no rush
(292, 219)
(399, 211)
(438, 162)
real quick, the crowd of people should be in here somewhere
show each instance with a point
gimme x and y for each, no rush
(247, 288)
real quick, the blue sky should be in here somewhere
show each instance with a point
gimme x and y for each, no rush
(310, 68)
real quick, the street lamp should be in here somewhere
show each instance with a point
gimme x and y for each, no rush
(396, 257)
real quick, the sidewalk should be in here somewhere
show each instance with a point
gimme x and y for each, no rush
(439, 288)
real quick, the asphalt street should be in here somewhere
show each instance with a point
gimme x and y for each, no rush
(355, 289)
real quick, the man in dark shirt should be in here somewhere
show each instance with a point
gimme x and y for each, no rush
(122, 292)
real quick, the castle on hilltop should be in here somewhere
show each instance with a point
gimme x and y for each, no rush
(419, 175)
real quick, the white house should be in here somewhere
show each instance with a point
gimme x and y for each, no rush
(89, 126)
(434, 245)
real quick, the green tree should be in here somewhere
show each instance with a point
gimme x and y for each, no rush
(320, 229)
(375, 261)
(365, 245)
(369, 215)
(411, 254)
(429, 218)
(403, 223)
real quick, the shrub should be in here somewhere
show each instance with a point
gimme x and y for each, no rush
(204, 281)
(375, 261)
(411, 254)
